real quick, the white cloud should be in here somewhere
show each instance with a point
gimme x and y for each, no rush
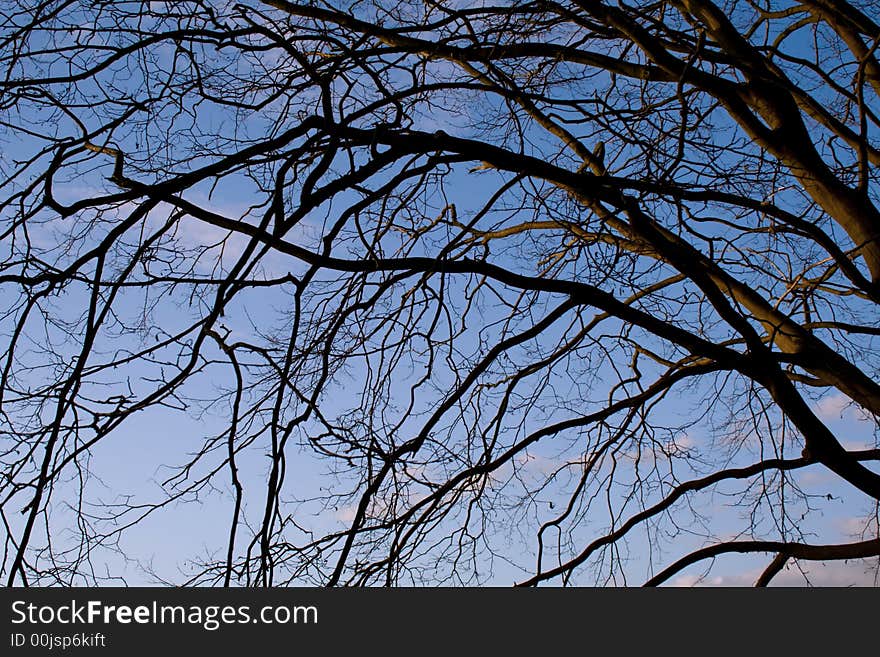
(840, 407)
(817, 477)
(855, 572)
(541, 466)
(832, 407)
(861, 528)
(346, 513)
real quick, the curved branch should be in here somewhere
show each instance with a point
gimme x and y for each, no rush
(860, 550)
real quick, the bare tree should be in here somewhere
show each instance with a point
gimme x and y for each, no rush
(453, 292)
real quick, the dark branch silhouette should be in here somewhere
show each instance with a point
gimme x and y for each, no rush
(438, 293)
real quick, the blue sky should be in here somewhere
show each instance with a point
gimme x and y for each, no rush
(132, 463)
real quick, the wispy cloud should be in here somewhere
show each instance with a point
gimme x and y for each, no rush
(838, 406)
(856, 572)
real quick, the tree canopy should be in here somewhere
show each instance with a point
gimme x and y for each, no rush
(438, 292)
